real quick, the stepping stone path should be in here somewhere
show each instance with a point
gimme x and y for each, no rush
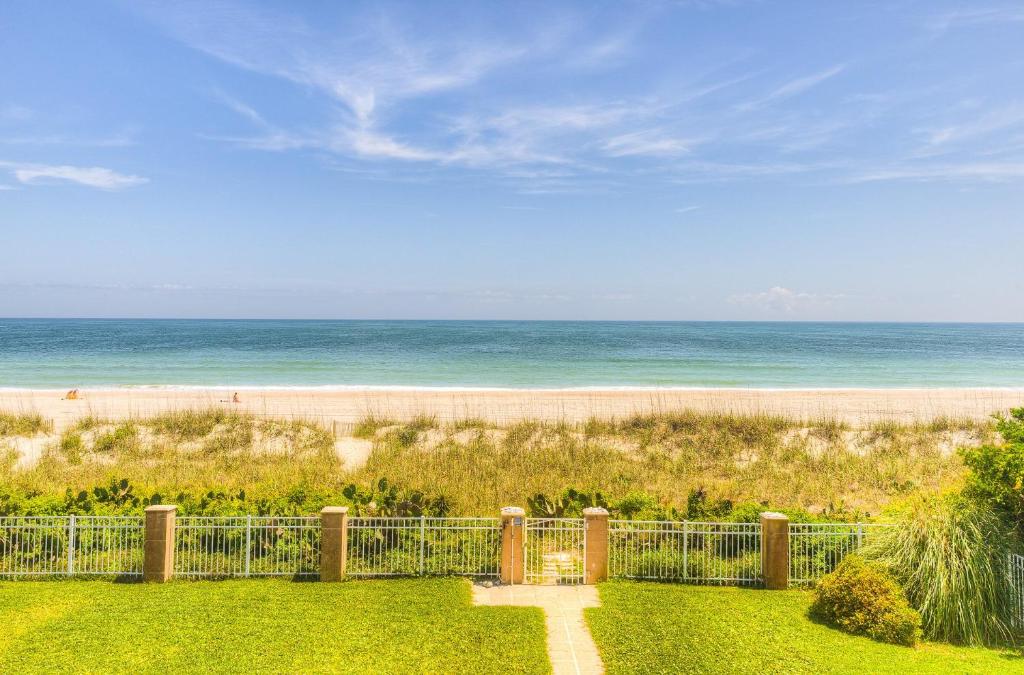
(570, 647)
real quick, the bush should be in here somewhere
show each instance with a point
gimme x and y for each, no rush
(997, 472)
(859, 597)
(951, 553)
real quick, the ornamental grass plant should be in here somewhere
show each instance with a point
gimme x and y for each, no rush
(950, 553)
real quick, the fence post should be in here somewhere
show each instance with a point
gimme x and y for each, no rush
(423, 542)
(248, 542)
(775, 550)
(71, 545)
(686, 550)
(595, 545)
(158, 551)
(512, 522)
(333, 542)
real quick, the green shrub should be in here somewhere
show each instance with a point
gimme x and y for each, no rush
(950, 553)
(997, 472)
(859, 597)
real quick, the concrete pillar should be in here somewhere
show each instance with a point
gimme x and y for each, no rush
(775, 550)
(512, 552)
(158, 543)
(333, 542)
(595, 527)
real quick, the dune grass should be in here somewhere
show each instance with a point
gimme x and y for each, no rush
(395, 626)
(187, 450)
(23, 424)
(477, 466)
(822, 466)
(661, 628)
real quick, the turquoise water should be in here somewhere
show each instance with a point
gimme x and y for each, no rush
(66, 353)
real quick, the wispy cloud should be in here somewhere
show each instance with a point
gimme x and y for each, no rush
(779, 299)
(92, 176)
(939, 24)
(398, 103)
(793, 87)
(687, 209)
(376, 66)
(991, 121)
(981, 171)
(651, 142)
(122, 140)
(711, 171)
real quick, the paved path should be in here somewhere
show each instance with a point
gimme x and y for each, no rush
(571, 649)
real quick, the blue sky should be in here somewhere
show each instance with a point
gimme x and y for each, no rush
(594, 160)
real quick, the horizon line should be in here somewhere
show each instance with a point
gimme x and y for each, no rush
(496, 320)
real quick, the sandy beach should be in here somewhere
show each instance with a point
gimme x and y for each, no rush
(342, 407)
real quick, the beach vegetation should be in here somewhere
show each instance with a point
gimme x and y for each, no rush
(950, 553)
(190, 453)
(369, 426)
(675, 465)
(997, 471)
(23, 424)
(824, 468)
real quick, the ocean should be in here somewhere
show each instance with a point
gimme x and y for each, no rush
(64, 353)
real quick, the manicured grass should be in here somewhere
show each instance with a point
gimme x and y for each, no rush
(656, 628)
(395, 626)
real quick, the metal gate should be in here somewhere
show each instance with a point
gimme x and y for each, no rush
(554, 551)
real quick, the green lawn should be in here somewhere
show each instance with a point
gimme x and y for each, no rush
(408, 626)
(660, 628)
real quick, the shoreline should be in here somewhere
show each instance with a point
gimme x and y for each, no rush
(328, 388)
(345, 407)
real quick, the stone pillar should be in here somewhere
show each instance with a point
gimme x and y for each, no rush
(333, 542)
(512, 531)
(775, 550)
(158, 543)
(595, 528)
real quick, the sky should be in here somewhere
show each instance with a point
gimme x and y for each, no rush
(532, 160)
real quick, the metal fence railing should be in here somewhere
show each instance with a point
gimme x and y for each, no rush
(107, 545)
(423, 545)
(243, 546)
(70, 545)
(696, 552)
(554, 550)
(1017, 587)
(815, 549)
(462, 546)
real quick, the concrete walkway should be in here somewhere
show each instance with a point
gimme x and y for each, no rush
(571, 649)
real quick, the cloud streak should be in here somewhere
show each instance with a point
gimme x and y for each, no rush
(794, 87)
(782, 300)
(89, 176)
(379, 97)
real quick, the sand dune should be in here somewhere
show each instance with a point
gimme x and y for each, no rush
(344, 407)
